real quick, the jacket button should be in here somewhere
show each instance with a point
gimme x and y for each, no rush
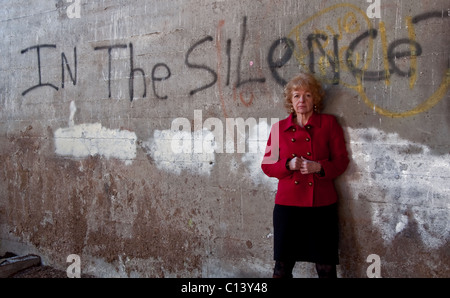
(310, 183)
(293, 155)
(292, 140)
(307, 139)
(308, 126)
(296, 182)
(293, 129)
(308, 153)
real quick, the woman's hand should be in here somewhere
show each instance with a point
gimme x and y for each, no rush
(309, 167)
(304, 166)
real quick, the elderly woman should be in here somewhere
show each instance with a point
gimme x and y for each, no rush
(305, 152)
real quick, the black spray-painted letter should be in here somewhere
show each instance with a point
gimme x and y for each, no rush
(38, 51)
(188, 64)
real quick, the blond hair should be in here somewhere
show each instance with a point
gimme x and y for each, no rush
(304, 81)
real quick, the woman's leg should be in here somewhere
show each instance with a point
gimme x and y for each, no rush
(326, 271)
(283, 269)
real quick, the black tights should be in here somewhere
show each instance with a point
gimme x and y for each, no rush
(284, 270)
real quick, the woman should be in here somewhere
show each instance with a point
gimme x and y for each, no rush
(306, 152)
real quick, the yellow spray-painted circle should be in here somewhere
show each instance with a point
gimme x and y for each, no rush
(348, 25)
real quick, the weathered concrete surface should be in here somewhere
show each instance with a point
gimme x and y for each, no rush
(93, 162)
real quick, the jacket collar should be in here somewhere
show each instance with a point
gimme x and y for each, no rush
(314, 121)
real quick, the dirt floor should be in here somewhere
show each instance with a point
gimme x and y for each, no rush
(38, 271)
(44, 272)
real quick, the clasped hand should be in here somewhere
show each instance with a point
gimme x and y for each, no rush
(304, 166)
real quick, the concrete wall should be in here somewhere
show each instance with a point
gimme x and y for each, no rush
(115, 144)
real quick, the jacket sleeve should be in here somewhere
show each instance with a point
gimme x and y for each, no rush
(338, 160)
(272, 165)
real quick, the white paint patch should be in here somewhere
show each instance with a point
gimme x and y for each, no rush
(91, 139)
(400, 177)
(173, 151)
(406, 185)
(73, 110)
(257, 141)
(401, 224)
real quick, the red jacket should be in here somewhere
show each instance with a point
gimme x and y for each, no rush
(321, 140)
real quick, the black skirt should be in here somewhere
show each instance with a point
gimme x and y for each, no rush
(308, 234)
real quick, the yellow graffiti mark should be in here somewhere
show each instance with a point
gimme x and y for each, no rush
(412, 36)
(329, 28)
(385, 53)
(324, 63)
(430, 102)
(426, 105)
(349, 24)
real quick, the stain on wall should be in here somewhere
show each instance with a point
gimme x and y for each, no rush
(132, 135)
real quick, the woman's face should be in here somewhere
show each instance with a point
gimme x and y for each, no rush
(302, 101)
